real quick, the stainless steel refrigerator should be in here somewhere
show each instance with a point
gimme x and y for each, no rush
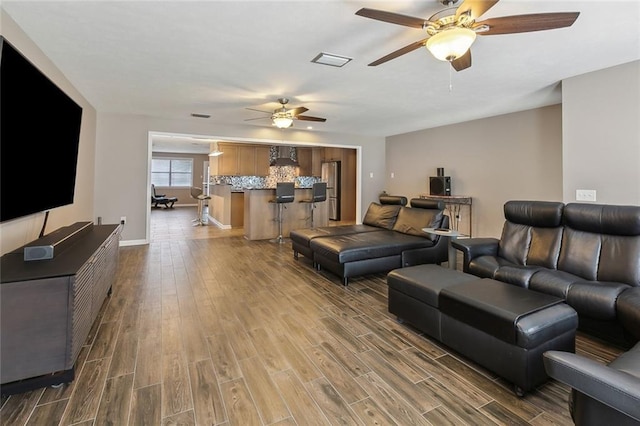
(331, 175)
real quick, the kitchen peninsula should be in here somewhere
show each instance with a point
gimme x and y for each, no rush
(260, 214)
(232, 207)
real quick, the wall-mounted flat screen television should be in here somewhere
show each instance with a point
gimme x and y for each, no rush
(39, 138)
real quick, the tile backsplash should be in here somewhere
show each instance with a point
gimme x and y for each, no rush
(276, 174)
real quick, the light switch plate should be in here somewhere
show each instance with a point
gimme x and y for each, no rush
(585, 195)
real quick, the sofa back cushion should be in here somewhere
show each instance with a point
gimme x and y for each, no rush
(532, 233)
(602, 242)
(411, 220)
(381, 216)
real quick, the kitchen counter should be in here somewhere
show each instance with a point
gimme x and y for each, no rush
(260, 215)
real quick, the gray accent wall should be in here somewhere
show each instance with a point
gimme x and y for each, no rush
(492, 160)
(601, 134)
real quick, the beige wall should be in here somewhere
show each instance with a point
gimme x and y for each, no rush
(601, 140)
(17, 232)
(493, 160)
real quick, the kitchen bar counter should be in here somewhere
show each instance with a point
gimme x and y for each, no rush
(260, 215)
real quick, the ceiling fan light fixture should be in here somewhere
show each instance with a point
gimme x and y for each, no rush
(282, 121)
(451, 43)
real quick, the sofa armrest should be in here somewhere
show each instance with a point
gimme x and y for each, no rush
(474, 247)
(614, 388)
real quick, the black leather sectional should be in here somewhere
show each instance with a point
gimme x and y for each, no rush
(390, 237)
(586, 254)
(589, 255)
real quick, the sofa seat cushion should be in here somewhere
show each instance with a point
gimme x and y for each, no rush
(595, 299)
(628, 306)
(486, 266)
(629, 361)
(555, 283)
(368, 245)
(512, 314)
(304, 236)
(519, 275)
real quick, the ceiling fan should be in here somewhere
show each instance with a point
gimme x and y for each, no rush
(452, 31)
(283, 118)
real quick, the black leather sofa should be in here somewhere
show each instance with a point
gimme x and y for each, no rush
(301, 238)
(586, 254)
(601, 394)
(390, 237)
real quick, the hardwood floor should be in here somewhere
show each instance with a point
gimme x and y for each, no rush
(204, 327)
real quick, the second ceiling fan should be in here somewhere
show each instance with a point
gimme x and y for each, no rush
(283, 117)
(452, 31)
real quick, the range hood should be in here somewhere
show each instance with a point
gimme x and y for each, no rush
(283, 156)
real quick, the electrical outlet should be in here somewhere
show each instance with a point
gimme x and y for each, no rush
(371, 174)
(585, 195)
(123, 220)
(393, 175)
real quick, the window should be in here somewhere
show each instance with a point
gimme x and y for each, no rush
(172, 171)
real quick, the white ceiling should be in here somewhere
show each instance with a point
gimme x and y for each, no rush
(174, 58)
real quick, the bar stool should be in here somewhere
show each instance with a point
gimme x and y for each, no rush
(196, 193)
(318, 195)
(285, 193)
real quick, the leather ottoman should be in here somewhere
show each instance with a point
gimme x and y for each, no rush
(502, 327)
(506, 328)
(413, 294)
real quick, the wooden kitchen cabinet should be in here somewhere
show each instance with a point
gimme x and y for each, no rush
(243, 160)
(262, 160)
(305, 161)
(246, 160)
(317, 157)
(310, 161)
(228, 161)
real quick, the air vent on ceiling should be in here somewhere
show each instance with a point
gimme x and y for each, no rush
(331, 59)
(196, 115)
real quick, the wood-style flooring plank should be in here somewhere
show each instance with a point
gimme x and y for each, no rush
(146, 406)
(207, 401)
(85, 399)
(116, 401)
(331, 404)
(176, 390)
(17, 409)
(302, 406)
(265, 393)
(397, 407)
(338, 377)
(47, 414)
(240, 407)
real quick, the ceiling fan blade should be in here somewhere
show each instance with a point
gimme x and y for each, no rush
(260, 110)
(258, 118)
(409, 48)
(393, 18)
(463, 62)
(475, 8)
(526, 23)
(299, 110)
(309, 118)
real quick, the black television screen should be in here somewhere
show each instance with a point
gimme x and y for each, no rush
(39, 138)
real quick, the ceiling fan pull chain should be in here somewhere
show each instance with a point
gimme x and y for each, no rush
(450, 79)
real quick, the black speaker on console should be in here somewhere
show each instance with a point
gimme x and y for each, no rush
(440, 185)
